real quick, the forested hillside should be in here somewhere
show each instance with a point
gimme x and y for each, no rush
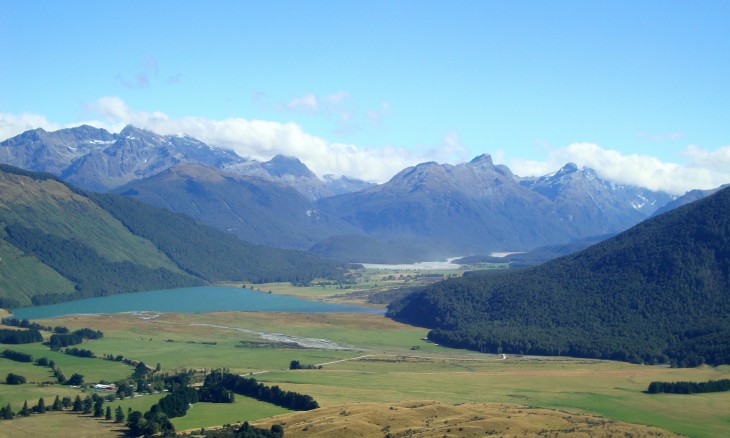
(59, 243)
(658, 292)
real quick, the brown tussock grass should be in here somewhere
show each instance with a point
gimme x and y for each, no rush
(434, 419)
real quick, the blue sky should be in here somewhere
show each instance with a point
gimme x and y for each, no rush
(638, 90)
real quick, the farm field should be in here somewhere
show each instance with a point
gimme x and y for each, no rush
(362, 283)
(382, 362)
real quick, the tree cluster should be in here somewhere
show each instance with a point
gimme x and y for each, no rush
(213, 390)
(24, 323)
(296, 365)
(79, 352)
(689, 387)
(30, 336)
(157, 419)
(14, 379)
(17, 356)
(271, 394)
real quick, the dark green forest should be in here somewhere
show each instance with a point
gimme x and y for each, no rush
(657, 293)
(209, 253)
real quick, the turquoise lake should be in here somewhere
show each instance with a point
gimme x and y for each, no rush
(188, 300)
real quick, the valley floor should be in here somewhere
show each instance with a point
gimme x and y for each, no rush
(387, 369)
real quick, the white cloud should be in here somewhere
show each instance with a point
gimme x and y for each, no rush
(261, 139)
(12, 125)
(702, 170)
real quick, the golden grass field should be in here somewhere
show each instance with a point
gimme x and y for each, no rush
(386, 368)
(434, 419)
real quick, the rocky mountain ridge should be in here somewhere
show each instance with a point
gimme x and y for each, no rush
(478, 206)
(95, 159)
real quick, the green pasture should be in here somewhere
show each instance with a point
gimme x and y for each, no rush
(390, 372)
(93, 369)
(215, 414)
(177, 356)
(140, 403)
(365, 280)
(17, 394)
(372, 331)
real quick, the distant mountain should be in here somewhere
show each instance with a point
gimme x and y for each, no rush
(94, 159)
(658, 292)
(691, 196)
(478, 207)
(292, 172)
(592, 205)
(53, 152)
(344, 184)
(59, 243)
(253, 209)
(285, 170)
(98, 160)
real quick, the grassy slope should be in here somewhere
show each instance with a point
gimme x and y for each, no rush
(22, 276)
(53, 208)
(433, 419)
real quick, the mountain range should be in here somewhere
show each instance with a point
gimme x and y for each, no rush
(478, 207)
(95, 159)
(428, 211)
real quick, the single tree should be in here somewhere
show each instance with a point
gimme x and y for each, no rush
(14, 379)
(108, 413)
(78, 405)
(75, 380)
(119, 415)
(99, 409)
(7, 413)
(25, 412)
(88, 404)
(41, 406)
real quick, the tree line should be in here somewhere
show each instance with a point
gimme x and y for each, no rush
(270, 394)
(8, 336)
(689, 387)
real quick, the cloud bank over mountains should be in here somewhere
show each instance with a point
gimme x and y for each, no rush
(262, 139)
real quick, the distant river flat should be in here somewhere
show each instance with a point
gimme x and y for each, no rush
(188, 300)
(420, 266)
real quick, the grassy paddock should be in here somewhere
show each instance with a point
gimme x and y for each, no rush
(366, 280)
(60, 424)
(393, 372)
(215, 414)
